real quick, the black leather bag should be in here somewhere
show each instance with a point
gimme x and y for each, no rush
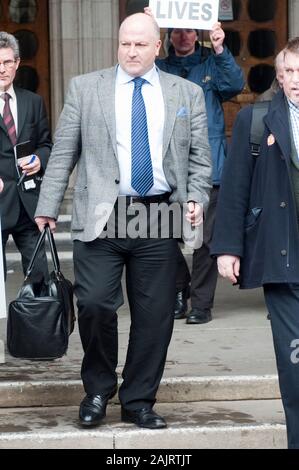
(42, 317)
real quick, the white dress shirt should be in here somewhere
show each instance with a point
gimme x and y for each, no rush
(154, 104)
(12, 104)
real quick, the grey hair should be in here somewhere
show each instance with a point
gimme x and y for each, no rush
(279, 59)
(9, 41)
(292, 46)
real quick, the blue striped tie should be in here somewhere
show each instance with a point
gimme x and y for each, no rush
(142, 178)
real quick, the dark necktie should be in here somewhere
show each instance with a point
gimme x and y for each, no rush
(8, 119)
(142, 178)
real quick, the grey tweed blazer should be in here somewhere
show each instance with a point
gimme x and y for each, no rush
(86, 138)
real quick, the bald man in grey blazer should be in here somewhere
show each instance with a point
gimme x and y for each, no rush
(95, 132)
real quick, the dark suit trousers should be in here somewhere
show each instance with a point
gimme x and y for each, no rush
(25, 235)
(150, 278)
(204, 267)
(283, 304)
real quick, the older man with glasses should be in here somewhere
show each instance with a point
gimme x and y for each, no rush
(22, 119)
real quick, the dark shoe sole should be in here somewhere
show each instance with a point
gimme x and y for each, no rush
(91, 424)
(197, 321)
(180, 316)
(127, 420)
(133, 418)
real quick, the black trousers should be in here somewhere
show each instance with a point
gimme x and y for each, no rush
(282, 301)
(150, 279)
(204, 267)
(25, 235)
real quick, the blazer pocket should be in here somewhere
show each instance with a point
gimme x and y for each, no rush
(79, 209)
(252, 217)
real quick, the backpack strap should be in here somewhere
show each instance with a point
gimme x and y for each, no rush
(259, 111)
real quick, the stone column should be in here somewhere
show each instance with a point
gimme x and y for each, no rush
(83, 38)
(293, 18)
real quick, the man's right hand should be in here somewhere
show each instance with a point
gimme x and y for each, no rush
(41, 222)
(229, 267)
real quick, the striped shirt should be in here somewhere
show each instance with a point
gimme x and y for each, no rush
(294, 114)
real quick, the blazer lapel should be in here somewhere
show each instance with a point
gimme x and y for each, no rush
(106, 94)
(171, 97)
(22, 104)
(3, 126)
(277, 120)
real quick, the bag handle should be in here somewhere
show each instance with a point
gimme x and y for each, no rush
(53, 249)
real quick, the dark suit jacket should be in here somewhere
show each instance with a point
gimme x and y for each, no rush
(32, 125)
(256, 212)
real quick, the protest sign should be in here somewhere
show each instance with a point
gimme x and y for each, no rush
(189, 14)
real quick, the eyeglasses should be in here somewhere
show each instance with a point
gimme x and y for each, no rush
(8, 64)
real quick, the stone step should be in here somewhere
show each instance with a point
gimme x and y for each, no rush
(62, 238)
(15, 392)
(204, 425)
(63, 243)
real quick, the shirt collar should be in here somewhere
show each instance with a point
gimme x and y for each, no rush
(152, 76)
(10, 91)
(293, 107)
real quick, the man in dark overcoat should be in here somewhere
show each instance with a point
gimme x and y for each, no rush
(256, 238)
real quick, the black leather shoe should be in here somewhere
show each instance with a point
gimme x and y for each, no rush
(199, 316)
(144, 418)
(93, 409)
(181, 305)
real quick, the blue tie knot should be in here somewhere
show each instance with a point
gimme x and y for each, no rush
(138, 82)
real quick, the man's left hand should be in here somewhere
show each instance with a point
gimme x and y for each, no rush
(217, 36)
(194, 214)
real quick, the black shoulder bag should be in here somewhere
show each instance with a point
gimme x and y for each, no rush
(42, 317)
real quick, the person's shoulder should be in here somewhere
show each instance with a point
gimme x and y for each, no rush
(183, 82)
(28, 94)
(94, 76)
(161, 61)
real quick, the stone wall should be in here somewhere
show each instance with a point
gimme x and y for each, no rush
(83, 38)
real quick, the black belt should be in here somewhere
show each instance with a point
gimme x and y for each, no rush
(146, 200)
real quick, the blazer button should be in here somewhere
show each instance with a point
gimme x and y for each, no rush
(283, 252)
(116, 181)
(283, 204)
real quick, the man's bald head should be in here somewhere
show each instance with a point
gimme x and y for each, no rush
(143, 21)
(139, 44)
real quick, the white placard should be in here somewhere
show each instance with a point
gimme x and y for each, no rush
(185, 13)
(2, 283)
